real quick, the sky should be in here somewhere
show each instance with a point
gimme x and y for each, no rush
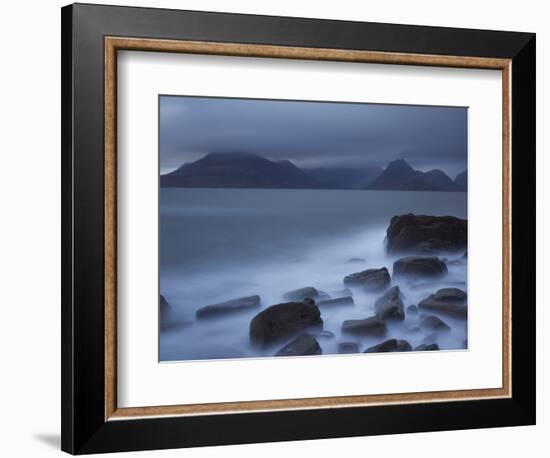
(313, 134)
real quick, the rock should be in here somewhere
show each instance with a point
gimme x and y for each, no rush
(339, 301)
(303, 345)
(345, 348)
(390, 345)
(232, 306)
(324, 335)
(433, 323)
(302, 293)
(430, 339)
(164, 305)
(341, 293)
(446, 301)
(389, 306)
(284, 320)
(421, 233)
(451, 295)
(412, 309)
(414, 329)
(355, 260)
(427, 347)
(368, 327)
(419, 266)
(370, 279)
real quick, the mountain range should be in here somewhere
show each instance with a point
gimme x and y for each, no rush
(247, 170)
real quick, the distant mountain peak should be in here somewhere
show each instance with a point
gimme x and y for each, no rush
(400, 176)
(399, 164)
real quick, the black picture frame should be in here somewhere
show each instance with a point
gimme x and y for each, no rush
(84, 427)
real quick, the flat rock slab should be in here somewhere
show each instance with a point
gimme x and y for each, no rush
(419, 267)
(422, 233)
(303, 345)
(281, 321)
(232, 306)
(337, 302)
(368, 327)
(369, 280)
(303, 293)
(391, 345)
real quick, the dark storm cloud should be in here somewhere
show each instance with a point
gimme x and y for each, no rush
(313, 134)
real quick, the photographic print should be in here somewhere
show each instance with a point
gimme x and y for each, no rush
(295, 228)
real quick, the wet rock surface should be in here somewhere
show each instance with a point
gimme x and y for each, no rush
(389, 306)
(232, 306)
(303, 293)
(283, 320)
(390, 345)
(303, 345)
(422, 233)
(419, 267)
(446, 301)
(433, 323)
(371, 326)
(337, 302)
(369, 280)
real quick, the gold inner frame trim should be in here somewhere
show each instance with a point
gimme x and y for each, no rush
(114, 44)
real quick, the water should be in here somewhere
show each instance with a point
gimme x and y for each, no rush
(221, 244)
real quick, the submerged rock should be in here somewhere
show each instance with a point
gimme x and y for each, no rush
(419, 266)
(412, 309)
(303, 345)
(446, 301)
(355, 260)
(164, 305)
(389, 306)
(283, 320)
(368, 327)
(232, 306)
(390, 345)
(422, 233)
(303, 293)
(345, 348)
(339, 301)
(433, 323)
(427, 347)
(370, 279)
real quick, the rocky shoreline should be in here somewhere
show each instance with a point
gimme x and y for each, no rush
(295, 326)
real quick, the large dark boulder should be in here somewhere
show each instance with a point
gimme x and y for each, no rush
(389, 306)
(281, 321)
(419, 267)
(446, 301)
(229, 307)
(368, 327)
(303, 345)
(421, 233)
(390, 345)
(370, 279)
(303, 293)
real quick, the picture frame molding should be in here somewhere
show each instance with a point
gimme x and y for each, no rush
(91, 37)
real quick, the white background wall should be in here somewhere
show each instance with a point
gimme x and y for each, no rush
(30, 226)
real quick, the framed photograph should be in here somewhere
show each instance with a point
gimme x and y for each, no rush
(281, 228)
